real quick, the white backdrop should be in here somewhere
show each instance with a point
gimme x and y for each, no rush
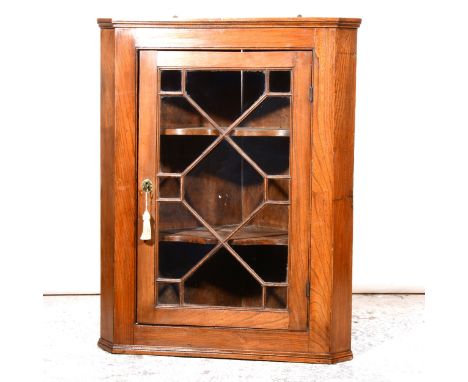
(395, 133)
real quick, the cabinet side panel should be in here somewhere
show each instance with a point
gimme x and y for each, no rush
(107, 183)
(125, 186)
(345, 88)
(332, 174)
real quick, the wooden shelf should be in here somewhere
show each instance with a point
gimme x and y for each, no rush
(237, 132)
(248, 235)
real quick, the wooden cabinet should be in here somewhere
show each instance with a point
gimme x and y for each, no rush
(244, 130)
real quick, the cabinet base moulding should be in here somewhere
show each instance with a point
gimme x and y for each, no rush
(324, 358)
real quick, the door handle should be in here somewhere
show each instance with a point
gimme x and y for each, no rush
(147, 187)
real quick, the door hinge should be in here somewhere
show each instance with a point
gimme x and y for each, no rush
(311, 93)
(307, 289)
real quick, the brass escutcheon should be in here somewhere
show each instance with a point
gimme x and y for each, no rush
(147, 185)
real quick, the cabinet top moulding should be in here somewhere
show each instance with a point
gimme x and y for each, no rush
(289, 22)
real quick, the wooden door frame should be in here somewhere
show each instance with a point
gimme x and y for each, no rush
(334, 44)
(300, 63)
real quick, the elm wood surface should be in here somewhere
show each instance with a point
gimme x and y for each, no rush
(204, 352)
(333, 42)
(204, 188)
(107, 183)
(332, 183)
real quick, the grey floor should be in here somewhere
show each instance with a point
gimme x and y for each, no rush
(387, 345)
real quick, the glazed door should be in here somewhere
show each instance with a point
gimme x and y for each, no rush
(224, 137)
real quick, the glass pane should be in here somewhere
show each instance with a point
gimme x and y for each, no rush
(171, 80)
(253, 87)
(276, 297)
(280, 81)
(218, 93)
(225, 95)
(176, 223)
(177, 258)
(177, 152)
(270, 153)
(223, 187)
(223, 281)
(178, 113)
(268, 226)
(168, 293)
(278, 189)
(173, 217)
(270, 262)
(216, 188)
(169, 187)
(272, 113)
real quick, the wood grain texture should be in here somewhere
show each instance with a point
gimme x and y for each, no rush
(345, 90)
(191, 351)
(222, 338)
(203, 189)
(107, 183)
(224, 38)
(125, 187)
(322, 158)
(332, 173)
(216, 316)
(300, 190)
(322, 192)
(233, 60)
(147, 143)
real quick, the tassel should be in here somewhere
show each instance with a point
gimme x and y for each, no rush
(146, 234)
